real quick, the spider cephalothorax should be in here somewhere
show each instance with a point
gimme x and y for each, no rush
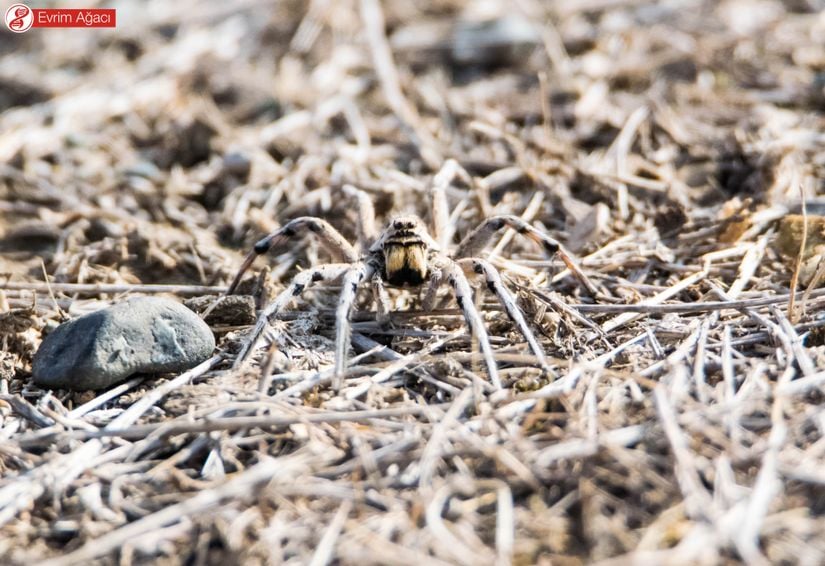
(404, 254)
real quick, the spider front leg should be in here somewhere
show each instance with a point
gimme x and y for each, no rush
(493, 280)
(382, 300)
(329, 237)
(464, 297)
(476, 240)
(436, 279)
(349, 290)
(299, 284)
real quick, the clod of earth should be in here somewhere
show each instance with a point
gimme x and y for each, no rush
(140, 335)
(790, 239)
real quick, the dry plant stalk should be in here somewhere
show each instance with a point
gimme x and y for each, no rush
(680, 417)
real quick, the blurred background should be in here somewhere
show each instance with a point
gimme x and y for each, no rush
(210, 122)
(642, 134)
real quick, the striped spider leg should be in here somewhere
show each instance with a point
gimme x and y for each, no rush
(492, 279)
(299, 284)
(475, 241)
(464, 297)
(353, 273)
(294, 229)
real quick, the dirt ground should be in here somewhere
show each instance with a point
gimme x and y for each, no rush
(664, 144)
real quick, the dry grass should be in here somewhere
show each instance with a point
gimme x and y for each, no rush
(659, 141)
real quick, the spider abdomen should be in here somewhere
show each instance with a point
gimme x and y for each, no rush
(405, 262)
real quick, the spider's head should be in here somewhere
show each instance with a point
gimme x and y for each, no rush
(406, 244)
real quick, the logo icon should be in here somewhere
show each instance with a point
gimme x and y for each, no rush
(19, 18)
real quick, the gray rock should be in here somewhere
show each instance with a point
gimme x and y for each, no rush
(140, 335)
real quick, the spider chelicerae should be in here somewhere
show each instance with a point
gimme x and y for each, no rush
(404, 255)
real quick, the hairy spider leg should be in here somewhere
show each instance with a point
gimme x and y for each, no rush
(328, 236)
(474, 243)
(492, 279)
(299, 284)
(382, 299)
(349, 290)
(464, 297)
(436, 279)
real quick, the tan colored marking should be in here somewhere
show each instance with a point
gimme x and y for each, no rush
(413, 258)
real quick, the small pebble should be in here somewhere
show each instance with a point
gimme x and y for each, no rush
(237, 164)
(139, 335)
(507, 40)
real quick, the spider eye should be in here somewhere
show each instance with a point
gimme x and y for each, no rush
(403, 224)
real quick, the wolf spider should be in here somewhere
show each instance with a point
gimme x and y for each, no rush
(404, 255)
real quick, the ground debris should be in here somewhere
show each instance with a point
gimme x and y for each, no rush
(679, 419)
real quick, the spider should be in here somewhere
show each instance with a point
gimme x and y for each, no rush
(404, 255)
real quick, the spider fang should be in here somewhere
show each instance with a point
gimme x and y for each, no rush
(405, 264)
